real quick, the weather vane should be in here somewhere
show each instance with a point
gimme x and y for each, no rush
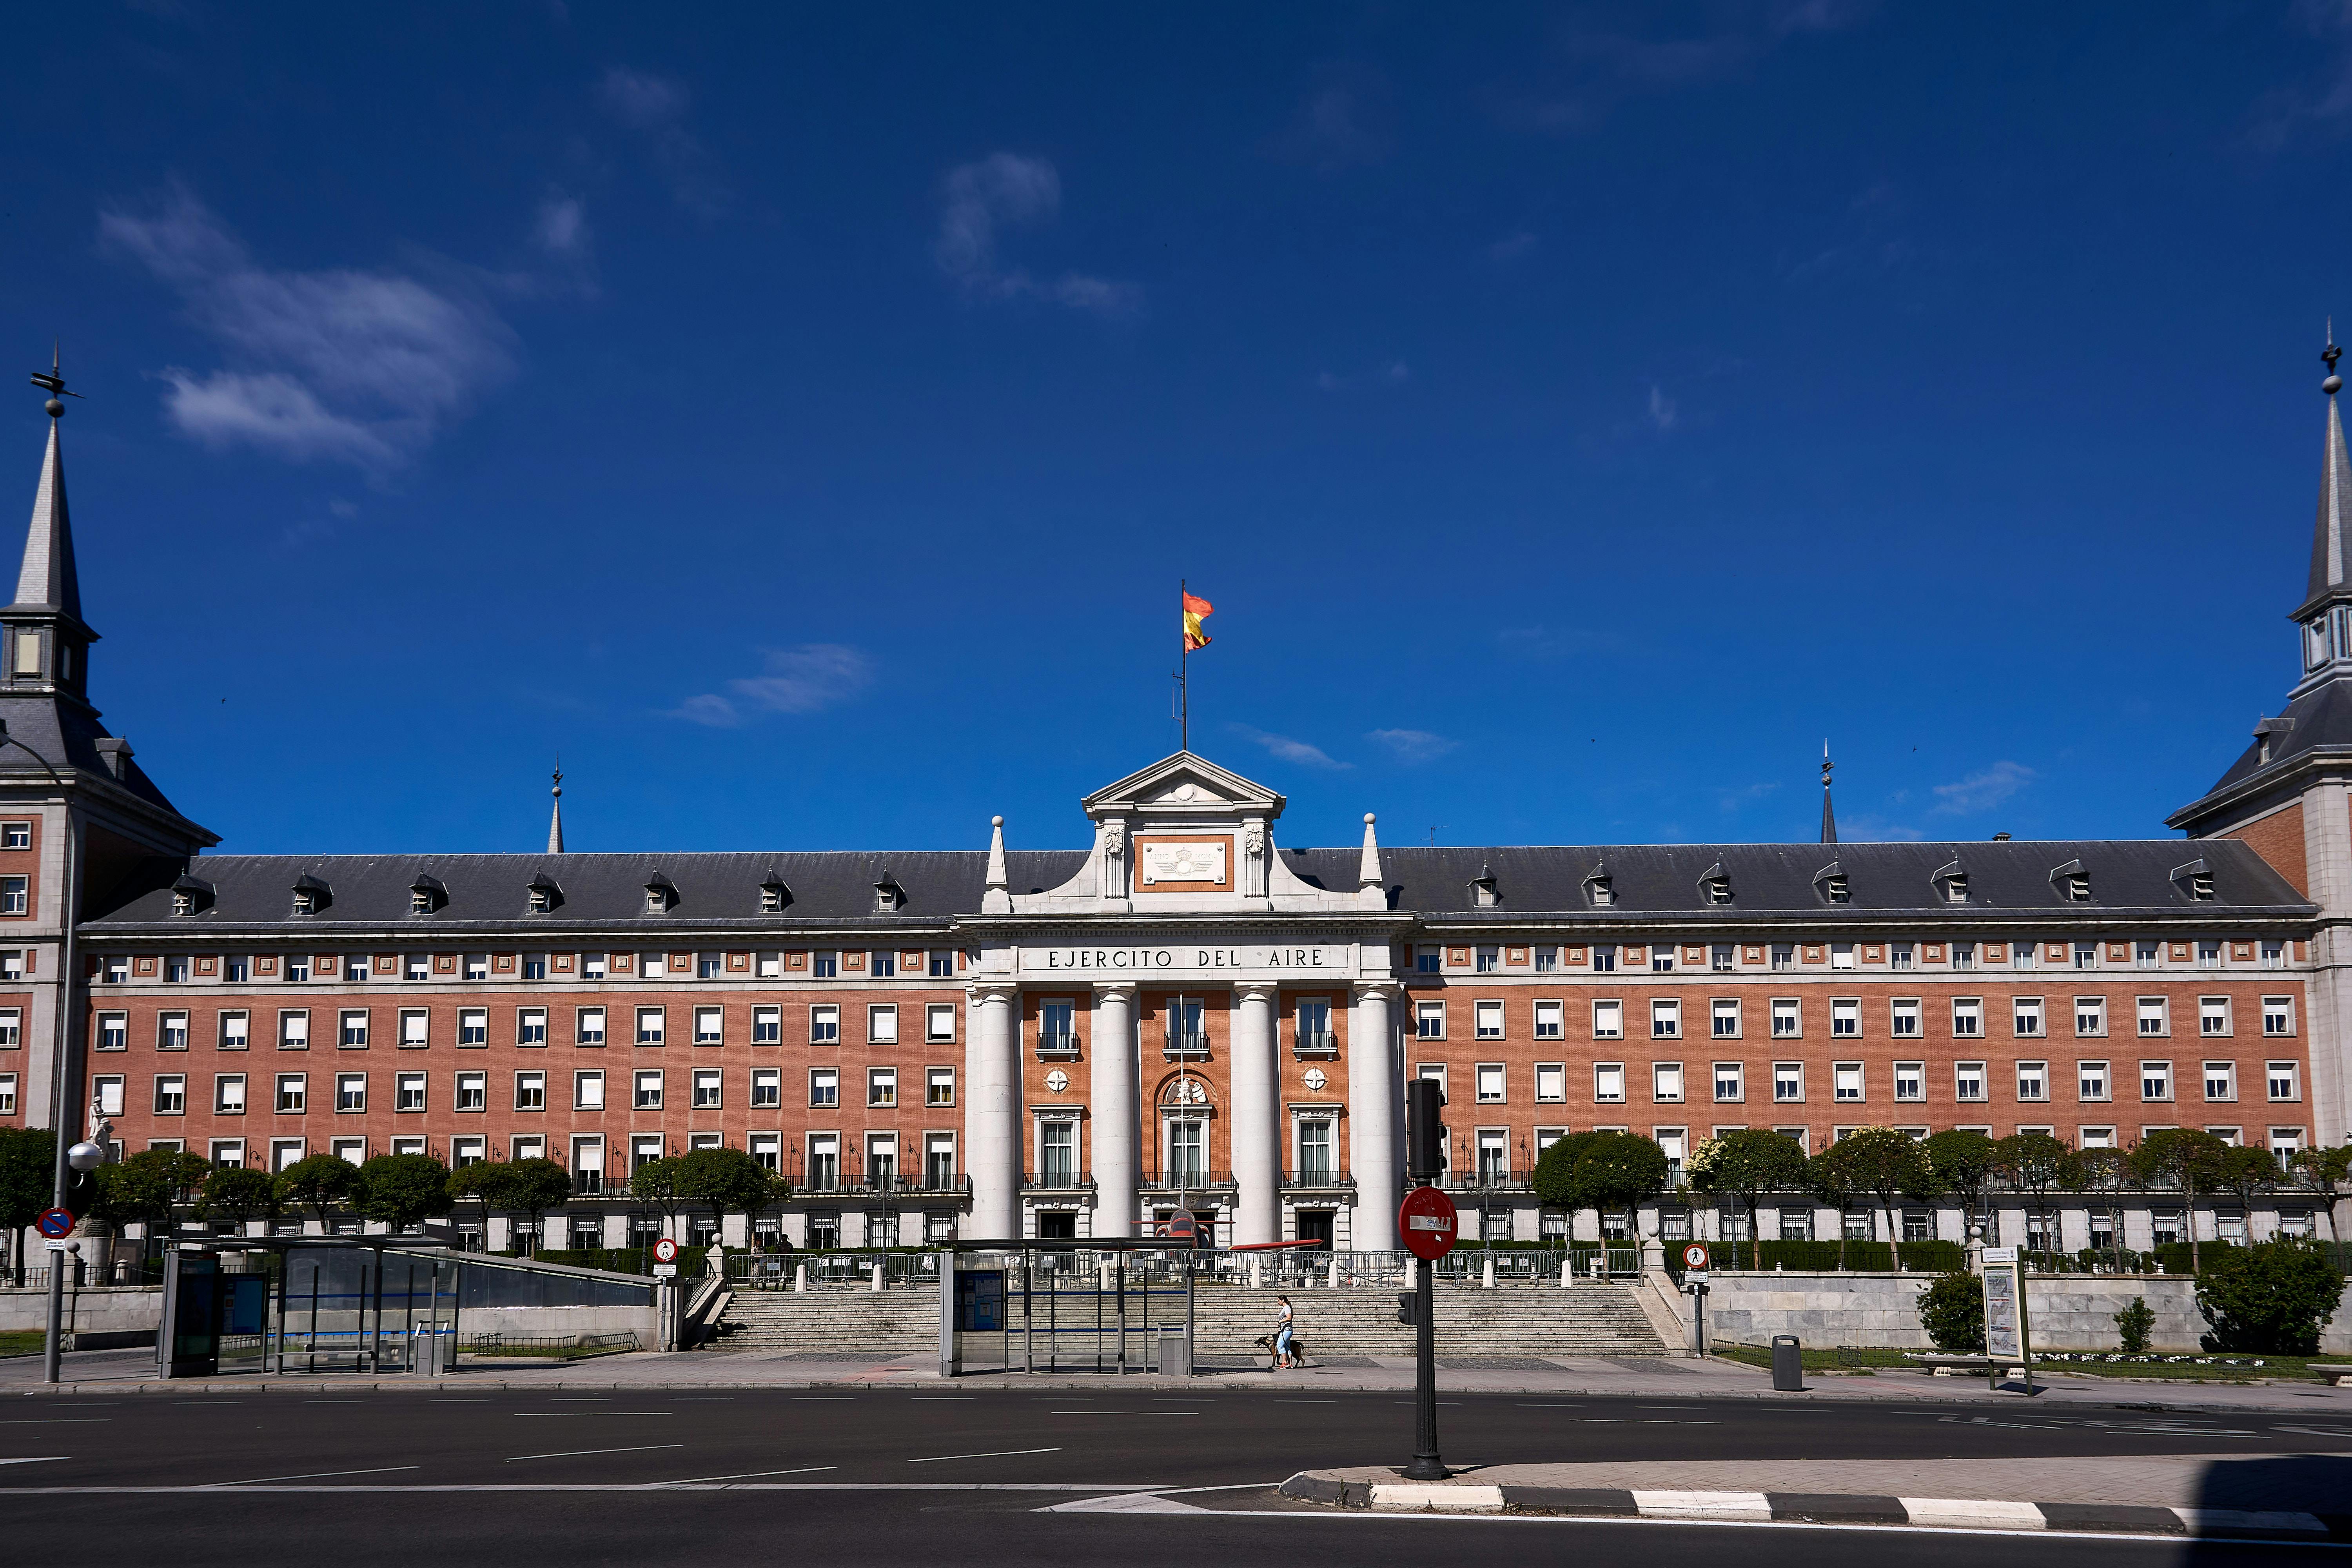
(53, 382)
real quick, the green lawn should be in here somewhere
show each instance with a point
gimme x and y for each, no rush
(2196, 1369)
(20, 1342)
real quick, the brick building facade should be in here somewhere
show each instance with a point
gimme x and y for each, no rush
(1183, 1015)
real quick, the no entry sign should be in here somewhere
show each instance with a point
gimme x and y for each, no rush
(1427, 1223)
(665, 1250)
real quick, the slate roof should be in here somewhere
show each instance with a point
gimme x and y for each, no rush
(837, 888)
(67, 733)
(2320, 720)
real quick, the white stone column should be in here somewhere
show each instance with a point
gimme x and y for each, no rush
(1375, 1136)
(1255, 1135)
(2328, 1031)
(1114, 1115)
(991, 1119)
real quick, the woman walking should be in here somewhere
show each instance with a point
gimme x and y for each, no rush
(1282, 1357)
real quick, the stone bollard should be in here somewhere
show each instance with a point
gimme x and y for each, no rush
(1257, 1275)
(1567, 1273)
(1489, 1281)
(1102, 1276)
(1332, 1283)
(800, 1278)
(878, 1279)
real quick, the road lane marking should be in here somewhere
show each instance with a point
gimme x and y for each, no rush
(38, 1459)
(580, 1399)
(421, 1487)
(317, 1475)
(526, 1414)
(1307, 1402)
(55, 1420)
(751, 1475)
(1129, 1413)
(1636, 1421)
(575, 1453)
(998, 1454)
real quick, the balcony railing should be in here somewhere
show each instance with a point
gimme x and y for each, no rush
(1488, 1179)
(1182, 1047)
(1058, 1047)
(1314, 1044)
(1188, 1178)
(1319, 1179)
(1063, 1179)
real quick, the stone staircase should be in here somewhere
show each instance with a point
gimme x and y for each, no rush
(1586, 1320)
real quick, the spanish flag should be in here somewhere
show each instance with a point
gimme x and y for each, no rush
(1196, 610)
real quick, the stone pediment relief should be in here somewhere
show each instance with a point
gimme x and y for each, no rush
(1191, 792)
(1183, 784)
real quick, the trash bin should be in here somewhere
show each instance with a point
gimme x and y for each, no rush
(1175, 1353)
(1788, 1365)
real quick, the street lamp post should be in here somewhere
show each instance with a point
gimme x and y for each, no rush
(79, 1155)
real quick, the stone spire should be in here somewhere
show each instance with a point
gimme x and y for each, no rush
(556, 823)
(2326, 614)
(998, 897)
(48, 580)
(1828, 818)
(1371, 887)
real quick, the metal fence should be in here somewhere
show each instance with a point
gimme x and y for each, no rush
(1287, 1269)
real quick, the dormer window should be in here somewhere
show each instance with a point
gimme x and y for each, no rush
(2267, 735)
(1951, 883)
(544, 894)
(426, 895)
(773, 894)
(311, 895)
(183, 903)
(1715, 884)
(888, 896)
(1829, 883)
(661, 895)
(1484, 893)
(2072, 882)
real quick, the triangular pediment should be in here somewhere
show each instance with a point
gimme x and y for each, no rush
(1184, 783)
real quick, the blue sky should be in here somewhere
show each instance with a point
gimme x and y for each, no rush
(799, 419)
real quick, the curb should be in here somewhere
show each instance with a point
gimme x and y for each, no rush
(1812, 1508)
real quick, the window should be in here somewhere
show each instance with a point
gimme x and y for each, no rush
(530, 1026)
(233, 1030)
(478, 965)
(171, 1094)
(107, 1092)
(172, 1031)
(2021, 954)
(881, 1086)
(415, 1025)
(1904, 1017)
(293, 1093)
(298, 969)
(285, 1153)
(1604, 958)
(825, 965)
(466, 1151)
(648, 1093)
(113, 1031)
(1899, 956)
(1486, 1019)
(473, 1026)
(1429, 961)
(2209, 955)
(1609, 1083)
(885, 965)
(650, 964)
(706, 1088)
(2212, 1016)
(2090, 1017)
(825, 1087)
(1548, 1021)
(1490, 1083)
(1845, 1017)
(1667, 1082)
(707, 967)
(940, 1021)
(2032, 1080)
(1845, 1080)
(1724, 1019)
(2285, 1080)
(1547, 960)
(767, 1087)
(408, 1091)
(1665, 1020)
(352, 1033)
(2091, 1080)
(229, 1094)
(882, 1025)
(1785, 1018)
(2025, 1017)
(651, 1022)
(2155, 1018)
(1489, 960)
(942, 965)
(294, 1031)
(824, 1026)
(473, 1091)
(2273, 955)
(15, 836)
(1608, 1020)
(589, 1028)
(1968, 1080)
(1784, 956)
(938, 1085)
(2220, 1081)
(2144, 955)
(2156, 1081)
(1910, 1080)
(1730, 1082)
(1551, 1083)
(15, 895)
(2278, 1014)
(1662, 959)
(1967, 1017)
(592, 966)
(1428, 1020)
(175, 969)
(351, 1091)
(710, 1025)
(2086, 956)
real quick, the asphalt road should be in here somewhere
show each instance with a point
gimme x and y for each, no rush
(904, 1476)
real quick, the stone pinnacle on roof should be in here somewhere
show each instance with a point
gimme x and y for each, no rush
(48, 579)
(997, 900)
(556, 823)
(1828, 818)
(1371, 886)
(2330, 556)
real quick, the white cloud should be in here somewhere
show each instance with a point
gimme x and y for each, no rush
(561, 226)
(1733, 799)
(1288, 749)
(1342, 122)
(1412, 745)
(655, 107)
(978, 201)
(642, 100)
(342, 364)
(1664, 414)
(803, 680)
(1876, 830)
(1982, 790)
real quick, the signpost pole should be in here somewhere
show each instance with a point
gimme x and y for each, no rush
(1426, 1466)
(1426, 1224)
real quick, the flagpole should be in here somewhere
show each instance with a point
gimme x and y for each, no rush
(1183, 672)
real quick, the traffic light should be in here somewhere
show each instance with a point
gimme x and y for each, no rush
(1409, 1308)
(1425, 1135)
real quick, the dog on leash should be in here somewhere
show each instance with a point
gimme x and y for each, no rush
(1297, 1350)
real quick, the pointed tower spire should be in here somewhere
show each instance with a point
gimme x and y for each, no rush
(556, 823)
(1371, 887)
(45, 634)
(998, 897)
(1828, 818)
(2325, 612)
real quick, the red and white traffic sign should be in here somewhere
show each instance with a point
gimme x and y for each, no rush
(665, 1250)
(1428, 1224)
(55, 1223)
(1694, 1256)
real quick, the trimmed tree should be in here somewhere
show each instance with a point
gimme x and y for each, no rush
(1963, 1162)
(2100, 1170)
(1743, 1166)
(1826, 1175)
(2322, 1173)
(322, 1185)
(27, 1173)
(729, 1180)
(1952, 1312)
(530, 1188)
(403, 1190)
(1554, 1180)
(237, 1195)
(2182, 1157)
(654, 1184)
(148, 1189)
(2245, 1173)
(2034, 1164)
(2269, 1299)
(1880, 1162)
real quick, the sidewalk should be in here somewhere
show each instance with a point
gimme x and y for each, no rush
(130, 1371)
